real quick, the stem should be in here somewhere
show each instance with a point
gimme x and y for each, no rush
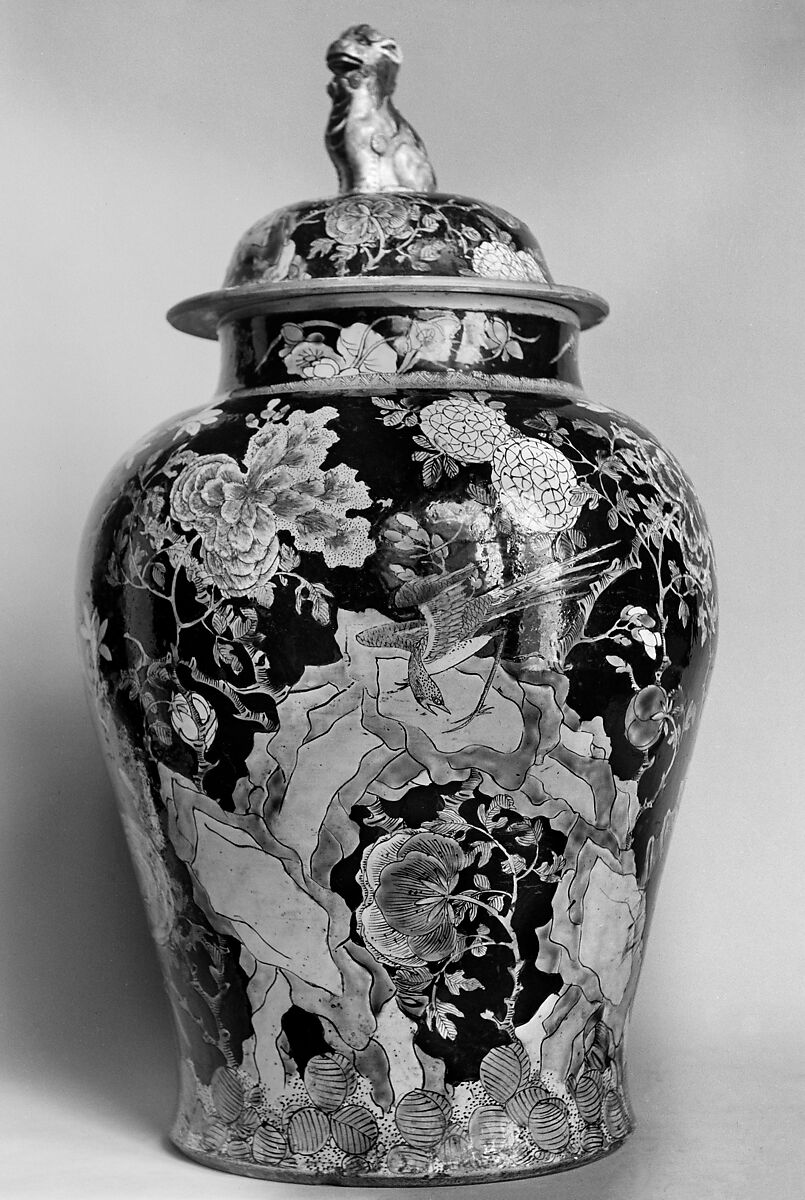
(480, 903)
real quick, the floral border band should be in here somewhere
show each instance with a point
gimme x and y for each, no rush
(392, 234)
(376, 346)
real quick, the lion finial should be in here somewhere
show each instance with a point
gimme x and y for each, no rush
(373, 147)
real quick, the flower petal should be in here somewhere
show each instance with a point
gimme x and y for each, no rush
(413, 894)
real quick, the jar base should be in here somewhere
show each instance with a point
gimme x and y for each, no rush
(278, 1174)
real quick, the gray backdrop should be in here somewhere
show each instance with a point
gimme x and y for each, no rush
(656, 150)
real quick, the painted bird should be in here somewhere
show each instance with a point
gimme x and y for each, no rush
(458, 619)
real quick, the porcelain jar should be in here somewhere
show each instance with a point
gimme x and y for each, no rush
(397, 650)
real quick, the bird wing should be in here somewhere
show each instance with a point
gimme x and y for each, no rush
(397, 635)
(445, 613)
(416, 592)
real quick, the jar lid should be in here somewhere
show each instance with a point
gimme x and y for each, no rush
(388, 230)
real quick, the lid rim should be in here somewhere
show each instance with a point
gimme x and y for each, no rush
(202, 314)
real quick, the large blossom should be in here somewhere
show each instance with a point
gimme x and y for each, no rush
(361, 221)
(429, 338)
(238, 511)
(359, 350)
(536, 485)
(496, 260)
(232, 510)
(408, 915)
(463, 428)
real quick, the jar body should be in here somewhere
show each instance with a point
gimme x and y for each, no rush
(398, 685)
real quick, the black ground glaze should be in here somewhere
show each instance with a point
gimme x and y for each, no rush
(383, 458)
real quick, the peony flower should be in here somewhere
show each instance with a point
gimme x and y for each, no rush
(312, 359)
(409, 880)
(359, 350)
(495, 260)
(430, 338)
(237, 511)
(232, 510)
(361, 221)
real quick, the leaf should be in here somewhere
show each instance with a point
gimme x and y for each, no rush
(458, 982)
(514, 349)
(317, 523)
(157, 672)
(483, 495)
(446, 822)
(158, 574)
(365, 349)
(222, 652)
(179, 554)
(483, 853)
(616, 662)
(264, 595)
(481, 882)
(244, 624)
(413, 979)
(319, 608)
(450, 466)
(497, 902)
(684, 613)
(501, 802)
(290, 504)
(130, 682)
(612, 519)
(162, 732)
(320, 246)
(313, 487)
(395, 418)
(442, 1010)
(432, 471)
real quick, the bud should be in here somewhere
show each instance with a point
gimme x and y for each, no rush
(194, 720)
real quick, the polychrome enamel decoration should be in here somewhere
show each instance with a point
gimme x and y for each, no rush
(397, 650)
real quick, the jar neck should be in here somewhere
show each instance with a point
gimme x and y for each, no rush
(372, 345)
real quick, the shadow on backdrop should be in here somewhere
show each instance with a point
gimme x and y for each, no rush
(83, 992)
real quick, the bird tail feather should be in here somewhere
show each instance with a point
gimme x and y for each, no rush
(567, 580)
